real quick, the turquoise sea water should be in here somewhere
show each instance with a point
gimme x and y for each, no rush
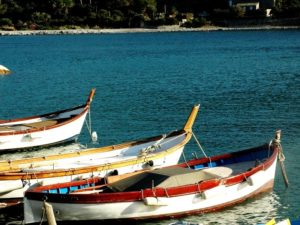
(247, 82)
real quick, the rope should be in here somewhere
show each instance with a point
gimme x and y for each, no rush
(157, 144)
(167, 141)
(167, 194)
(269, 150)
(198, 187)
(281, 156)
(90, 120)
(89, 124)
(281, 159)
(37, 180)
(153, 189)
(185, 160)
(199, 145)
(43, 215)
(142, 193)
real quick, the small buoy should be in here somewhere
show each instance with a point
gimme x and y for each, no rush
(94, 136)
(4, 70)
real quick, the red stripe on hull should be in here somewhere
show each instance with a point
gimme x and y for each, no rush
(267, 187)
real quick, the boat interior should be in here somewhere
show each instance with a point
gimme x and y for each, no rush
(41, 121)
(108, 157)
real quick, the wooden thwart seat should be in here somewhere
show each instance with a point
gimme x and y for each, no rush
(27, 126)
(5, 128)
(42, 124)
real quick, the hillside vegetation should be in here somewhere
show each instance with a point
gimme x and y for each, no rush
(72, 14)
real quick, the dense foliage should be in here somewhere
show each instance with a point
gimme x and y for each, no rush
(47, 14)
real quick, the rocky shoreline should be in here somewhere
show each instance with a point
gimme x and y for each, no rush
(139, 30)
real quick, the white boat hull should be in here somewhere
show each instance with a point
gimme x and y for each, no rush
(43, 130)
(210, 200)
(45, 137)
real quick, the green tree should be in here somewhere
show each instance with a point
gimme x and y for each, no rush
(103, 17)
(237, 12)
(287, 8)
(292, 8)
(5, 22)
(117, 18)
(14, 11)
(3, 9)
(61, 7)
(41, 18)
(151, 9)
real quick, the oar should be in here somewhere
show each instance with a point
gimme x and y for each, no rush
(281, 157)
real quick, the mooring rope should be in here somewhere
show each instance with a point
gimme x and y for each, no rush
(281, 157)
(43, 215)
(184, 158)
(88, 123)
(199, 145)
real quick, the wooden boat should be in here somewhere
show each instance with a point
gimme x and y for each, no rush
(44, 130)
(197, 186)
(163, 150)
